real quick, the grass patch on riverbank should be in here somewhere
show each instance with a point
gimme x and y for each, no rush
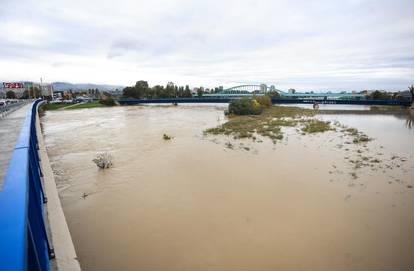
(273, 119)
(54, 106)
(67, 106)
(87, 105)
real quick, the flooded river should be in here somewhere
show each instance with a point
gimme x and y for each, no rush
(190, 203)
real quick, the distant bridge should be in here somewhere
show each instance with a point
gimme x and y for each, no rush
(275, 100)
(262, 89)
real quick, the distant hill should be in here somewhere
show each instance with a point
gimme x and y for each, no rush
(69, 86)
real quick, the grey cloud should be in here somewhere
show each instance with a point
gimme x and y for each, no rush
(310, 44)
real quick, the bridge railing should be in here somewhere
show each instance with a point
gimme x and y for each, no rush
(23, 239)
(6, 109)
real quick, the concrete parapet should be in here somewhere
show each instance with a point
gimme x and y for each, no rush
(65, 254)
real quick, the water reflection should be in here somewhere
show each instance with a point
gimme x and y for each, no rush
(409, 122)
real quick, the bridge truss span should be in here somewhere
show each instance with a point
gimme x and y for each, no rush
(262, 89)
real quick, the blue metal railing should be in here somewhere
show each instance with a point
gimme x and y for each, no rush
(23, 239)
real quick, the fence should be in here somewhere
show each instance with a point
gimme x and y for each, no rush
(24, 243)
(7, 109)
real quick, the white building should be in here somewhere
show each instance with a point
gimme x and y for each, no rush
(263, 88)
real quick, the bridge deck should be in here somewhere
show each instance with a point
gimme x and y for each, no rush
(281, 100)
(10, 127)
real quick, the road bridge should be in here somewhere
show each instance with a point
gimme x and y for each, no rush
(262, 89)
(275, 100)
(10, 126)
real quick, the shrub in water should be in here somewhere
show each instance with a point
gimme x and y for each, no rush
(103, 160)
(245, 106)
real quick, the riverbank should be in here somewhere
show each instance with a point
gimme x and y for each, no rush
(66, 106)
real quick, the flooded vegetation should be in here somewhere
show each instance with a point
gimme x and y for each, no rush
(271, 121)
(289, 189)
(103, 160)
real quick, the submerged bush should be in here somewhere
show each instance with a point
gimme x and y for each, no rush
(316, 126)
(103, 160)
(245, 106)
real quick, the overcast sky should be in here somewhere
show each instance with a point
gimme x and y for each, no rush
(302, 44)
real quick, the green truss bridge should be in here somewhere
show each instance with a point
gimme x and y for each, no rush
(262, 89)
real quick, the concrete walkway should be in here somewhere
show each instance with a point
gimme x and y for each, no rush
(10, 127)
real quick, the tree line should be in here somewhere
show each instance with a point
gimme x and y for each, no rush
(142, 90)
(383, 95)
(28, 93)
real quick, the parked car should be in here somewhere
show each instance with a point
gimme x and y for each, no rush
(82, 100)
(56, 101)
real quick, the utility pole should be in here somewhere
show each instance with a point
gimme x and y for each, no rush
(41, 86)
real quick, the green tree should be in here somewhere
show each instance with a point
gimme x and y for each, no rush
(380, 95)
(35, 92)
(130, 92)
(264, 100)
(273, 93)
(158, 91)
(245, 106)
(180, 91)
(199, 92)
(176, 91)
(170, 89)
(107, 99)
(141, 88)
(10, 94)
(25, 94)
(187, 91)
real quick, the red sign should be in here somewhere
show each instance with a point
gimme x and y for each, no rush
(13, 85)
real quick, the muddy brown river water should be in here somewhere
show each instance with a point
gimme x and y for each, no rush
(192, 204)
